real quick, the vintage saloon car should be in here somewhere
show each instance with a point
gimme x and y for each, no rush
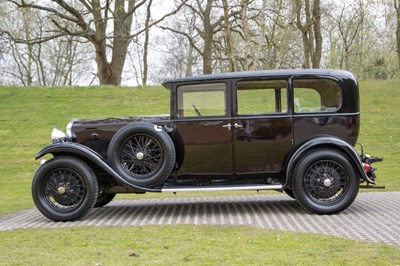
(285, 130)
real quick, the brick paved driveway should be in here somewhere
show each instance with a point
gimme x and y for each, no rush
(374, 216)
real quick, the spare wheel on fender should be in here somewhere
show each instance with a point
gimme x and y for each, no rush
(143, 154)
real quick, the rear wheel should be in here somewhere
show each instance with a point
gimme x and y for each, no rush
(289, 192)
(324, 181)
(64, 189)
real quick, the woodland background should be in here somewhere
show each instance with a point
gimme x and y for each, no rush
(140, 42)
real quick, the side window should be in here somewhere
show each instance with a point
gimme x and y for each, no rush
(316, 95)
(261, 97)
(202, 100)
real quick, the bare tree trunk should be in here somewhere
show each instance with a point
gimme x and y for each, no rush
(311, 32)
(286, 36)
(146, 44)
(190, 57)
(304, 28)
(67, 81)
(249, 62)
(227, 26)
(122, 26)
(29, 60)
(20, 67)
(189, 63)
(262, 36)
(104, 69)
(397, 7)
(208, 35)
(316, 57)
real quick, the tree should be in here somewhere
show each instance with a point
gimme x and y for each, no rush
(56, 62)
(228, 37)
(247, 36)
(349, 23)
(397, 7)
(92, 22)
(208, 19)
(278, 41)
(311, 31)
(146, 43)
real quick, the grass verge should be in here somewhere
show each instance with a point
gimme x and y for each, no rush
(186, 245)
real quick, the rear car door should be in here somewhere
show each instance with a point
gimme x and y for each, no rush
(263, 126)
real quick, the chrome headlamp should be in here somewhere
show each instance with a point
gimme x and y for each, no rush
(59, 136)
(69, 129)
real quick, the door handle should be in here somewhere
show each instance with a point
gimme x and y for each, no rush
(236, 125)
(228, 126)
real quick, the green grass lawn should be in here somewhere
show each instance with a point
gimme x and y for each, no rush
(28, 115)
(186, 245)
(380, 128)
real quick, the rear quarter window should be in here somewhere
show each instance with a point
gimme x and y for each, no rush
(316, 95)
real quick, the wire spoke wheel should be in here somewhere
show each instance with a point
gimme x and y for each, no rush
(141, 155)
(64, 189)
(325, 181)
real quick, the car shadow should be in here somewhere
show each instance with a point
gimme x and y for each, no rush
(210, 211)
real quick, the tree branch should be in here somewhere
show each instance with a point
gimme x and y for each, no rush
(159, 20)
(33, 41)
(23, 4)
(188, 37)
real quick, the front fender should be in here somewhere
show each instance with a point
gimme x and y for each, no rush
(325, 141)
(81, 151)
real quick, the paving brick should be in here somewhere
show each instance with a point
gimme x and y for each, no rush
(372, 217)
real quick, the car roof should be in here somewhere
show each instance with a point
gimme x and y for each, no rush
(340, 74)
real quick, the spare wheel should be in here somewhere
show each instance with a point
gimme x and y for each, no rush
(143, 154)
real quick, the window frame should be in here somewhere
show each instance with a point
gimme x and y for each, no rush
(179, 98)
(320, 111)
(277, 104)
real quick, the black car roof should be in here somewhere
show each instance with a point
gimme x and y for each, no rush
(340, 74)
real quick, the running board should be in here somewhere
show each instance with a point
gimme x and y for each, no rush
(220, 188)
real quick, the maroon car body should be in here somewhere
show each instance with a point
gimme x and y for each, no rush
(286, 130)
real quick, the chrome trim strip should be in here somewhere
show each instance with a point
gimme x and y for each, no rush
(221, 188)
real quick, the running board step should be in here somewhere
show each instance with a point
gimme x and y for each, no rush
(219, 188)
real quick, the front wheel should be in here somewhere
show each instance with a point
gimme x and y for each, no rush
(64, 189)
(324, 181)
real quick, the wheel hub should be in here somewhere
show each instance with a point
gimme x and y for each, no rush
(139, 156)
(327, 182)
(61, 190)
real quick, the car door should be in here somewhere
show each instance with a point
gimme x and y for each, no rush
(203, 119)
(262, 126)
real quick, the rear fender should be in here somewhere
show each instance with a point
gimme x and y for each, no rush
(330, 142)
(80, 151)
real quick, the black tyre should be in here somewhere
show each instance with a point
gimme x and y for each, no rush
(142, 154)
(64, 189)
(289, 192)
(324, 181)
(102, 198)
